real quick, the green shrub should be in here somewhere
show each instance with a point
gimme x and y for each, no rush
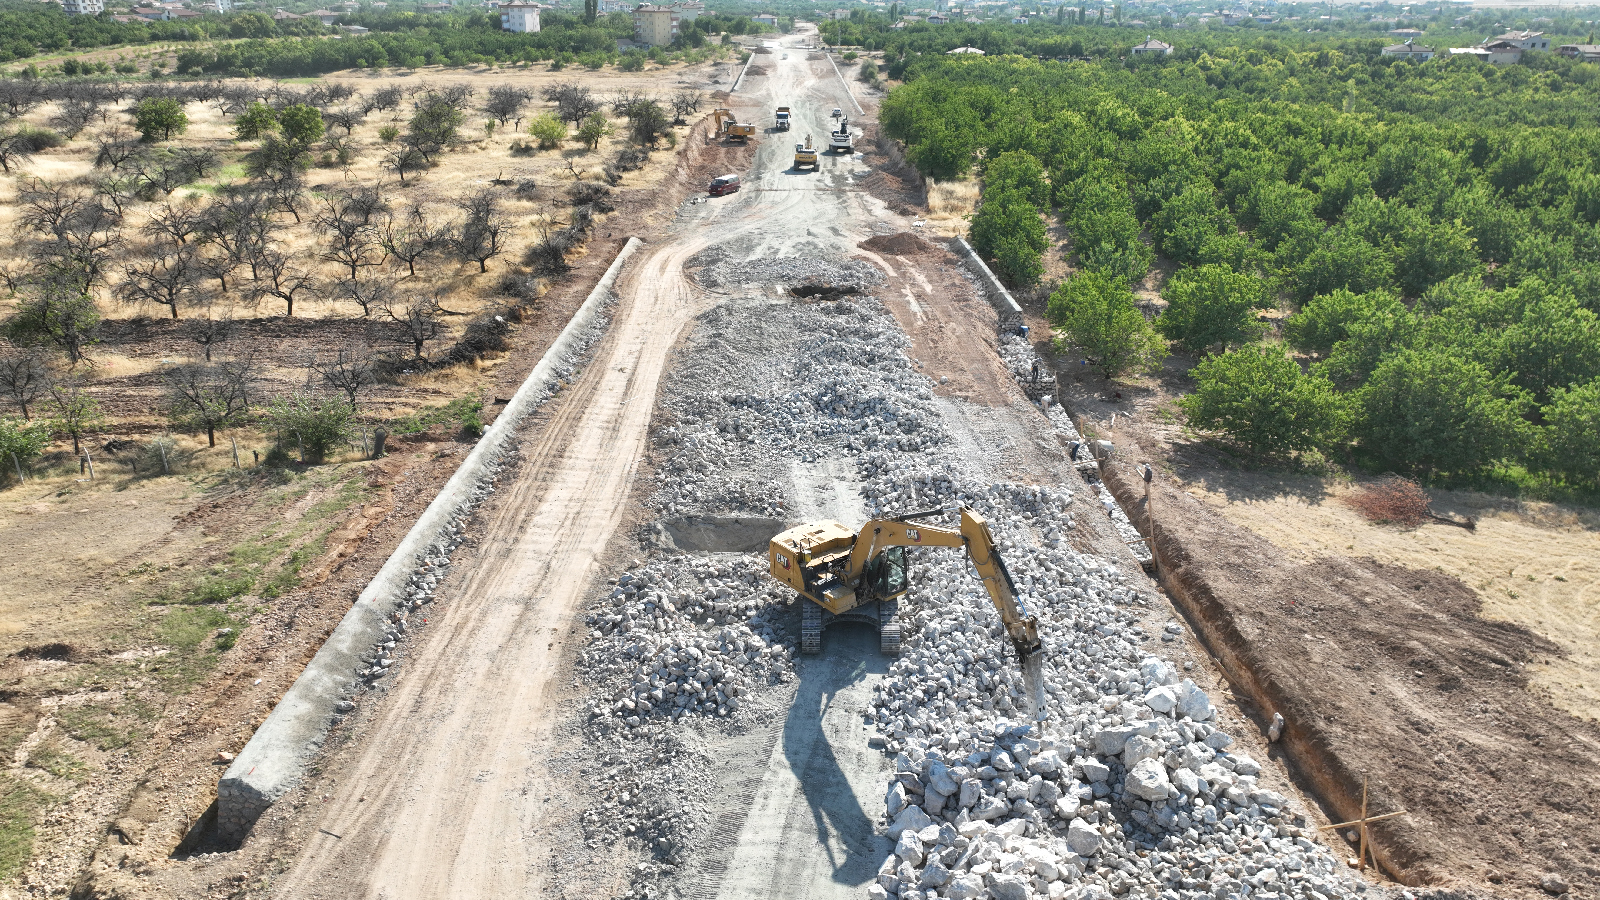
(160, 118)
(1570, 439)
(549, 130)
(1007, 229)
(1213, 305)
(310, 424)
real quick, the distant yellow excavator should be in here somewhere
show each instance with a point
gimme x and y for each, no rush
(861, 575)
(729, 128)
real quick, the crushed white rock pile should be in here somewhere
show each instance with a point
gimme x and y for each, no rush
(1129, 790)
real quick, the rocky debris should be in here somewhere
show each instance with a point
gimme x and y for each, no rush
(685, 636)
(714, 268)
(1553, 884)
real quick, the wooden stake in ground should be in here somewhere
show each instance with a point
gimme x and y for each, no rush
(1361, 827)
(18, 463)
(1362, 854)
(162, 446)
(235, 443)
(90, 460)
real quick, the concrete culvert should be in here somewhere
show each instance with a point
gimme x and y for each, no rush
(719, 534)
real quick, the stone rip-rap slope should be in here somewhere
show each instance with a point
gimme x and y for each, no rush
(1128, 790)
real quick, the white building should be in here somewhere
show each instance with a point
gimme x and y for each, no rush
(520, 17)
(1153, 47)
(222, 6)
(689, 11)
(1409, 50)
(83, 7)
(1522, 40)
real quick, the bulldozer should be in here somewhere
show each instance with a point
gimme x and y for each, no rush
(860, 575)
(805, 155)
(729, 129)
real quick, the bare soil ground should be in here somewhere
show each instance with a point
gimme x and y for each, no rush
(120, 682)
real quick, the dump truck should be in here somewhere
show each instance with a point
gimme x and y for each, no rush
(805, 155)
(729, 129)
(844, 574)
(783, 118)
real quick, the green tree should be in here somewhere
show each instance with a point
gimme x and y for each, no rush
(1555, 344)
(1427, 255)
(1189, 225)
(77, 413)
(434, 126)
(20, 443)
(159, 118)
(257, 119)
(1096, 314)
(310, 424)
(1570, 440)
(58, 315)
(1017, 172)
(1326, 320)
(1007, 229)
(550, 130)
(1341, 261)
(1213, 305)
(301, 124)
(1430, 409)
(594, 129)
(1262, 400)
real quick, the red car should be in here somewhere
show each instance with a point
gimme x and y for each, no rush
(724, 184)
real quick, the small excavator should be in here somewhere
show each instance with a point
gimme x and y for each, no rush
(729, 129)
(845, 575)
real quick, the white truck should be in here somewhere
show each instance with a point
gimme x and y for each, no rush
(839, 138)
(783, 118)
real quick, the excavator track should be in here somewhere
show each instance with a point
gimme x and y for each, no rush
(810, 627)
(889, 638)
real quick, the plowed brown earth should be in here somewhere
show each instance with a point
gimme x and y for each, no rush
(1392, 674)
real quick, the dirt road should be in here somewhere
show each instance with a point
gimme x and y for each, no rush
(437, 800)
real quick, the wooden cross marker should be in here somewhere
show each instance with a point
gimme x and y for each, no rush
(1362, 824)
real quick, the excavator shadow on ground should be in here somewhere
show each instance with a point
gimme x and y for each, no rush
(823, 736)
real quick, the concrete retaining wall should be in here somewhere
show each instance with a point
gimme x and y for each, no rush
(276, 756)
(999, 297)
(740, 80)
(847, 92)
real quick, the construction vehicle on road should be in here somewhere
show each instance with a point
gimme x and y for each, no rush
(729, 129)
(860, 575)
(783, 118)
(805, 155)
(839, 138)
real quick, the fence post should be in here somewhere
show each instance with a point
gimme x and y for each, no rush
(18, 463)
(162, 446)
(235, 442)
(90, 460)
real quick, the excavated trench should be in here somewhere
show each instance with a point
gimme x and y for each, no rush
(716, 534)
(1316, 765)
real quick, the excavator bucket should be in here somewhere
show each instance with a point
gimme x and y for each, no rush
(1033, 683)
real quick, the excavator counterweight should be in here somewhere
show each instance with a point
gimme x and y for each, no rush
(861, 574)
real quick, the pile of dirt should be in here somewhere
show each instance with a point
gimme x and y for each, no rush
(753, 71)
(902, 244)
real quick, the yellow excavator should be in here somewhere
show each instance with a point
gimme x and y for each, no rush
(729, 128)
(805, 155)
(845, 575)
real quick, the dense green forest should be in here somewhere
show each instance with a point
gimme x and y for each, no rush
(1431, 229)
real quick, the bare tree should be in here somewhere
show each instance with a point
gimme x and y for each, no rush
(15, 150)
(685, 102)
(347, 219)
(118, 191)
(349, 371)
(24, 376)
(505, 103)
(347, 119)
(419, 322)
(166, 277)
(79, 231)
(574, 102)
(77, 412)
(411, 238)
(457, 94)
(208, 396)
(481, 235)
(115, 146)
(279, 277)
(382, 99)
(75, 115)
(367, 293)
(209, 331)
(56, 311)
(403, 158)
(19, 95)
(176, 222)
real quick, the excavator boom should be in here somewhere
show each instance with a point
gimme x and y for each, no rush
(839, 569)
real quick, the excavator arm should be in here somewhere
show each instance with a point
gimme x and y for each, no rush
(1022, 627)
